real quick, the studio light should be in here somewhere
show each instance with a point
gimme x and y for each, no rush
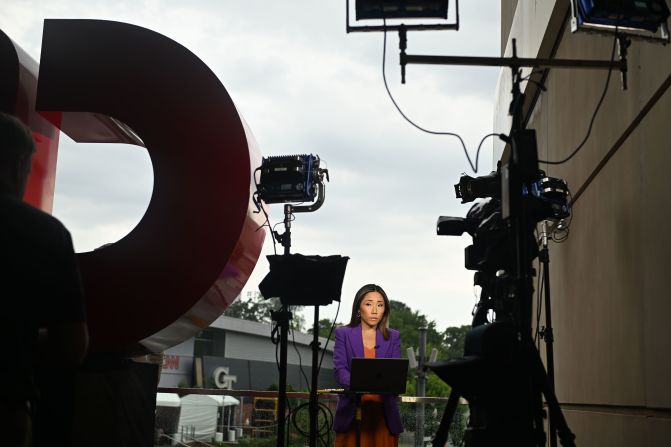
(401, 9)
(295, 279)
(391, 12)
(638, 18)
(289, 178)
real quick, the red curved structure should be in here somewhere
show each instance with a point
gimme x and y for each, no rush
(197, 244)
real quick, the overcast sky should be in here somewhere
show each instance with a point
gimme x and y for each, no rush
(305, 86)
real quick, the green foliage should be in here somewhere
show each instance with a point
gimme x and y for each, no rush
(325, 325)
(256, 308)
(435, 387)
(275, 387)
(408, 322)
(457, 431)
(453, 341)
(257, 442)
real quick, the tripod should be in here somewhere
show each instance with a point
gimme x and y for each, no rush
(506, 409)
(498, 415)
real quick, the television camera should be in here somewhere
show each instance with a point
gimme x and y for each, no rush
(500, 361)
(547, 199)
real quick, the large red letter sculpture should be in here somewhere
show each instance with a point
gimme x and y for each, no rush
(197, 243)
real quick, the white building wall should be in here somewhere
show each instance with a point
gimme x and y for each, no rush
(254, 347)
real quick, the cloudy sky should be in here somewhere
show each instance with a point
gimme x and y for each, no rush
(305, 86)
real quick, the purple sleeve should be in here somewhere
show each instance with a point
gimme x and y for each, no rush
(340, 360)
(396, 345)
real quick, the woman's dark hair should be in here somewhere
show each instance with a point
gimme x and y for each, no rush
(355, 320)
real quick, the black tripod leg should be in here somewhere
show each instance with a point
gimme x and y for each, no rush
(444, 428)
(566, 437)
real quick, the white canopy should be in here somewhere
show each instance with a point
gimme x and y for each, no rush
(224, 401)
(167, 400)
(199, 416)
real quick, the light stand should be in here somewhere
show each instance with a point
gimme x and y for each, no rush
(546, 334)
(282, 318)
(298, 279)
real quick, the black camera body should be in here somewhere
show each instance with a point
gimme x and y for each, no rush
(547, 198)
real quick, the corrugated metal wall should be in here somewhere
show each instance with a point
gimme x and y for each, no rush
(254, 347)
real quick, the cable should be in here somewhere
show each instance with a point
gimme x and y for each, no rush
(540, 85)
(477, 153)
(596, 110)
(327, 420)
(533, 72)
(432, 132)
(560, 236)
(324, 428)
(539, 302)
(274, 338)
(300, 359)
(272, 234)
(664, 86)
(329, 338)
(259, 207)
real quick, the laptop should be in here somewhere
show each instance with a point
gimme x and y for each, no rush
(378, 376)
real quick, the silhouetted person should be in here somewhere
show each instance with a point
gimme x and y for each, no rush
(42, 319)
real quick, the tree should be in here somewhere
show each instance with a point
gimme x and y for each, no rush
(325, 325)
(408, 322)
(453, 341)
(257, 308)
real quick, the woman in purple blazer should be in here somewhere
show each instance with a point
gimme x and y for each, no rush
(366, 335)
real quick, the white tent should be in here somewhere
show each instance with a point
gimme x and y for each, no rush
(167, 400)
(198, 419)
(225, 401)
(167, 414)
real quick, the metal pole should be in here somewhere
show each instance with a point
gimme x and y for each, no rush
(315, 379)
(420, 390)
(283, 317)
(286, 238)
(511, 61)
(544, 257)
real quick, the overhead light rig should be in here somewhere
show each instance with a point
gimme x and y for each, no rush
(398, 10)
(638, 19)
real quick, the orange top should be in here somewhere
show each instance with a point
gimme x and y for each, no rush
(369, 353)
(373, 431)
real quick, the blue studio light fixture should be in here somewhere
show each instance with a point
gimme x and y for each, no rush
(640, 17)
